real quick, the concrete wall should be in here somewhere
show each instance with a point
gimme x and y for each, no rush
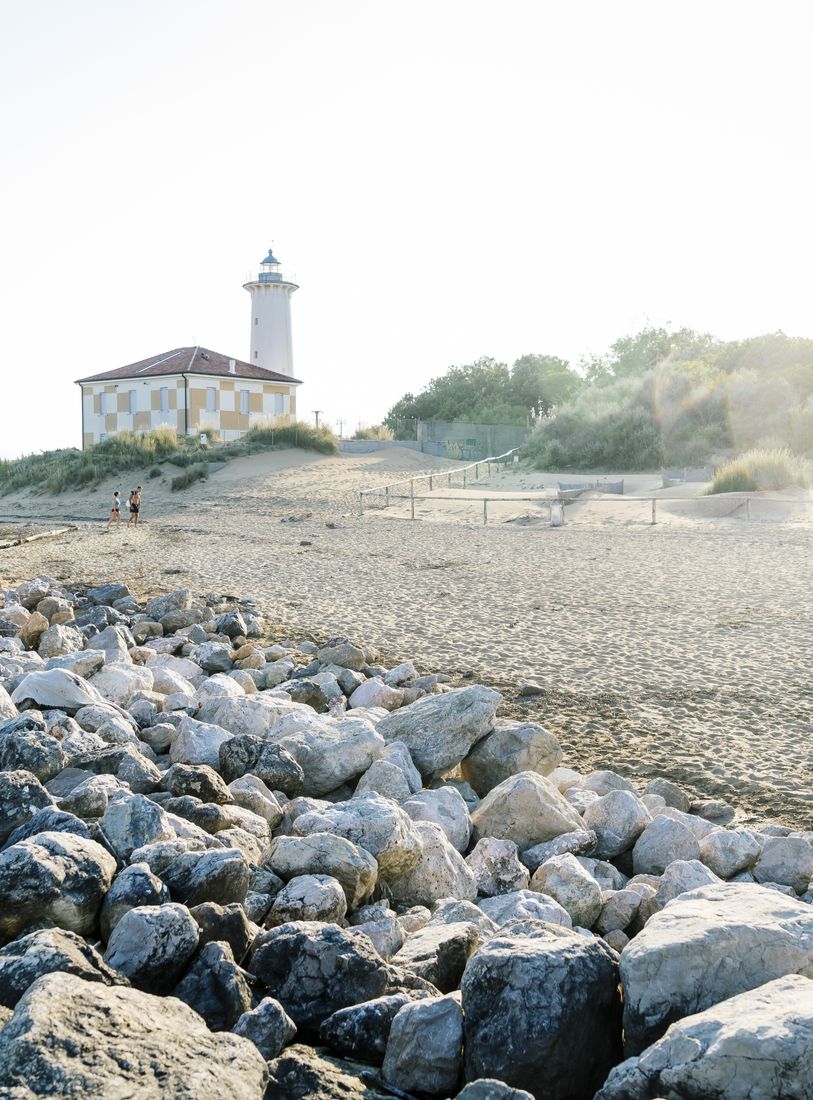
(143, 404)
(460, 440)
(367, 446)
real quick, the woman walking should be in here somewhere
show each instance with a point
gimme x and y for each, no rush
(135, 506)
(115, 510)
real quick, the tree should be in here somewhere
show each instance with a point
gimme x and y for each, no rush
(540, 382)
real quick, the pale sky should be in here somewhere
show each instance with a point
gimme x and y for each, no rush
(447, 179)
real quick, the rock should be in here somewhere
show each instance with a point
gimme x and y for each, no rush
(710, 944)
(198, 743)
(250, 793)
(76, 1038)
(36, 625)
(496, 867)
(424, 1049)
(220, 875)
(618, 911)
(301, 1072)
(727, 852)
(56, 687)
(715, 810)
(130, 822)
(213, 657)
(525, 905)
(565, 880)
(247, 754)
(168, 682)
(309, 898)
(56, 877)
(47, 951)
(579, 842)
(331, 754)
(225, 923)
(440, 871)
(316, 969)
(119, 682)
(7, 708)
(375, 693)
(670, 793)
(663, 841)
(133, 887)
(90, 798)
(452, 911)
(606, 874)
(196, 779)
(756, 1044)
(107, 594)
(361, 1031)
(216, 987)
(115, 642)
(440, 730)
(48, 820)
(325, 854)
(679, 877)
(152, 945)
(381, 926)
(21, 795)
(787, 860)
(26, 747)
(488, 1088)
(384, 778)
(344, 654)
(58, 640)
(618, 819)
(373, 823)
(525, 808)
(159, 606)
(268, 1026)
(443, 806)
(245, 714)
(543, 1011)
(439, 953)
(511, 747)
(181, 666)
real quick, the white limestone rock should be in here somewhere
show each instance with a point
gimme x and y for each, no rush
(729, 852)
(446, 807)
(439, 872)
(511, 747)
(565, 880)
(525, 808)
(663, 841)
(496, 867)
(618, 819)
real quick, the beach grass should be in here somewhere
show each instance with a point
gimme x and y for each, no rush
(761, 469)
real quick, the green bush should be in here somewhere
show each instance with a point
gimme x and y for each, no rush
(298, 434)
(155, 471)
(190, 475)
(760, 469)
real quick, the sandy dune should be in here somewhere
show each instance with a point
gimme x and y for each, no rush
(681, 649)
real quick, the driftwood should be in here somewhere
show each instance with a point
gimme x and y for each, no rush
(35, 538)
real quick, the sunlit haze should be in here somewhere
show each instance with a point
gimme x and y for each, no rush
(446, 180)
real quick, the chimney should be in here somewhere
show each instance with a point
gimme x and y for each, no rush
(232, 366)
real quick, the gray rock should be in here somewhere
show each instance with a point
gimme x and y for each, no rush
(511, 747)
(48, 820)
(53, 877)
(213, 657)
(216, 987)
(424, 1049)
(440, 871)
(663, 841)
(60, 639)
(618, 819)
(446, 807)
(159, 606)
(300, 1071)
(756, 1044)
(26, 746)
(439, 953)
(226, 924)
(308, 898)
(274, 765)
(679, 877)
(70, 1037)
(56, 687)
(452, 911)
(198, 743)
(527, 808)
(787, 860)
(331, 753)
(710, 944)
(525, 905)
(133, 887)
(115, 642)
(580, 842)
(130, 822)
(488, 1088)
(618, 911)
(496, 867)
(220, 875)
(543, 1008)
(107, 594)
(728, 852)
(361, 1031)
(152, 945)
(440, 730)
(670, 793)
(325, 854)
(565, 880)
(196, 779)
(21, 795)
(47, 951)
(343, 654)
(268, 1026)
(83, 664)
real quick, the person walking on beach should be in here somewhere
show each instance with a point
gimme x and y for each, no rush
(115, 510)
(135, 506)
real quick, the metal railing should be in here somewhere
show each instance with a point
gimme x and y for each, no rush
(386, 491)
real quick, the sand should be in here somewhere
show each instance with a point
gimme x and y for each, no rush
(680, 649)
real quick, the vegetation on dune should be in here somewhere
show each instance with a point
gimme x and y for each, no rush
(62, 470)
(189, 476)
(377, 431)
(761, 469)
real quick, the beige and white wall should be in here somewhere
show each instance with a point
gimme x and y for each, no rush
(229, 405)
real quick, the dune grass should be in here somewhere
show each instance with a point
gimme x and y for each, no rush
(761, 469)
(54, 472)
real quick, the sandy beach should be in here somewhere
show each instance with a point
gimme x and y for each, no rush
(680, 649)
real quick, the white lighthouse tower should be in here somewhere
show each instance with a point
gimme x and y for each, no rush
(271, 345)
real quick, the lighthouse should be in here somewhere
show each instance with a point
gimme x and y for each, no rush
(271, 345)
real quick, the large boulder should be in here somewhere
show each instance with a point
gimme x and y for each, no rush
(248, 754)
(525, 905)
(729, 851)
(308, 898)
(496, 867)
(132, 821)
(440, 871)
(543, 1012)
(53, 877)
(118, 681)
(757, 1044)
(220, 875)
(787, 860)
(439, 953)
(72, 1038)
(325, 854)
(21, 796)
(315, 969)
(617, 818)
(255, 713)
(361, 1031)
(268, 1026)
(332, 753)
(440, 730)
(152, 944)
(47, 951)
(512, 747)
(424, 1048)
(525, 808)
(373, 823)
(26, 746)
(705, 946)
(198, 743)
(565, 880)
(115, 642)
(663, 841)
(56, 687)
(216, 987)
(446, 807)
(302, 1073)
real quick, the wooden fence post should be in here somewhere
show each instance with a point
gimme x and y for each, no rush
(430, 483)
(747, 507)
(361, 504)
(653, 510)
(386, 496)
(485, 510)
(464, 477)
(412, 497)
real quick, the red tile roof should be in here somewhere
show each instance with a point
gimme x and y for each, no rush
(191, 361)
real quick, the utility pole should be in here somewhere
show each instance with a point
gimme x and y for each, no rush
(341, 427)
(316, 413)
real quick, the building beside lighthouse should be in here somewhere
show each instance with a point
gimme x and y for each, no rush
(194, 388)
